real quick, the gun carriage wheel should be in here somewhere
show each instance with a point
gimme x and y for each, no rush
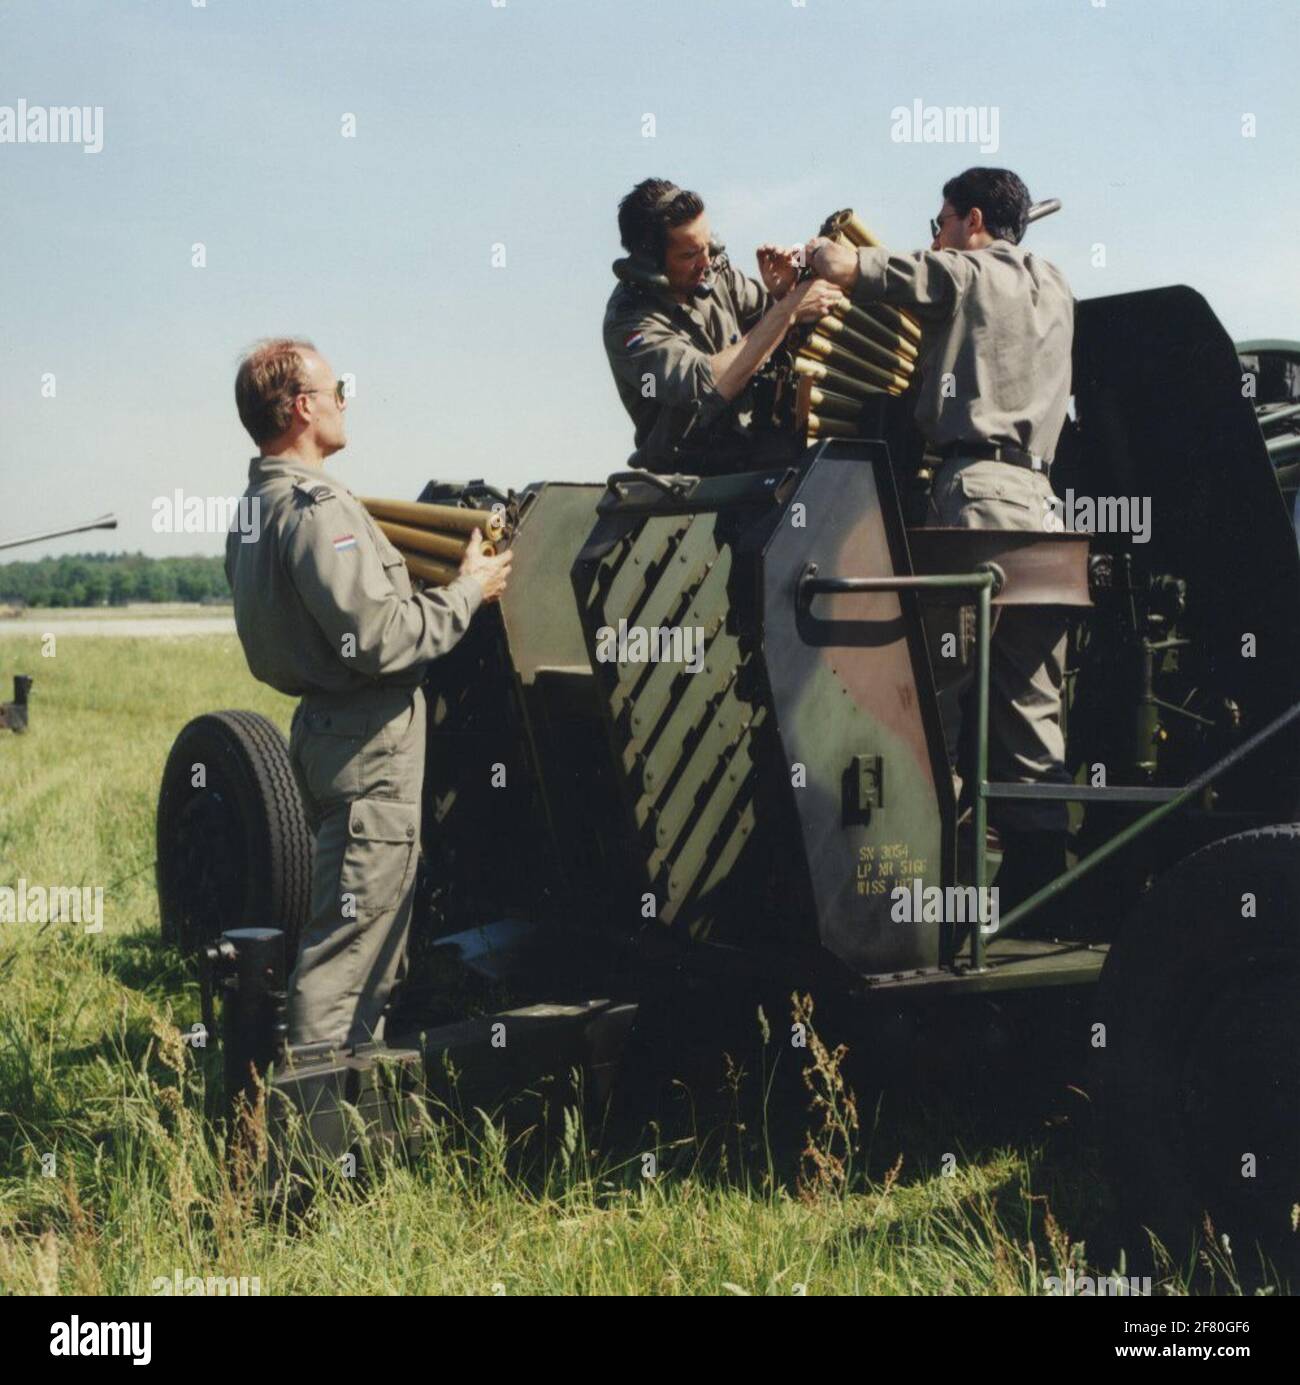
(234, 850)
(1201, 1068)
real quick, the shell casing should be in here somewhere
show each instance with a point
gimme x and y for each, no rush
(899, 320)
(429, 569)
(821, 348)
(862, 321)
(836, 329)
(819, 427)
(439, 545)
(823, 374)
(810, 398)
(449, 518)
(849, 225)
(828, 404)
(896, 317)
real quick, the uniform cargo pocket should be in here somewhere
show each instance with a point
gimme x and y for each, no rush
(397, 729)
(337, 721)
(396, 571)
(382, 841)
(329, 745)
(990, 488)
(1017, 500)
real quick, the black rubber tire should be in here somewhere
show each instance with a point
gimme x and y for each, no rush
(1201, 1066)
(237, 852)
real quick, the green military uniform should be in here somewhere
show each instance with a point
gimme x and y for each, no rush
(325, 611)
(995, 368)
(659, 353)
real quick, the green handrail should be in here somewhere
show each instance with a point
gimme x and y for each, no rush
(985, 582)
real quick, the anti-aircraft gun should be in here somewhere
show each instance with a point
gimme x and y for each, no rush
(766, 805)
(13, 715)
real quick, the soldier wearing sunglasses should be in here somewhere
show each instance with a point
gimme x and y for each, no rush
(326, 612)
(997, 326)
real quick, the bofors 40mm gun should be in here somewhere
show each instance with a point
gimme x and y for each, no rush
(611, 820)
(13, 715)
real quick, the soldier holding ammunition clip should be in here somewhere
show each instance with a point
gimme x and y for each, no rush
(326, 612)
(686, 333)
(995, 368)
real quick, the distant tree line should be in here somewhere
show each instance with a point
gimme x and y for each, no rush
(103, 579)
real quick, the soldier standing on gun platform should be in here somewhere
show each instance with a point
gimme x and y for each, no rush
(997, 327)
(685, 333)
(325, 611)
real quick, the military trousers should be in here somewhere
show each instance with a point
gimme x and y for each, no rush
(1027, 655)
(358, 759)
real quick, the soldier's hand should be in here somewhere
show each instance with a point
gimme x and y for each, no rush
(837, 263)
(816, 298)
(492, 572)
(778, 269)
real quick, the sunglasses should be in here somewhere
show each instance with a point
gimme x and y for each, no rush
(936, 224)
(340, 392)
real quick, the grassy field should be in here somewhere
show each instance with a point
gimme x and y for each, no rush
(111, 1179)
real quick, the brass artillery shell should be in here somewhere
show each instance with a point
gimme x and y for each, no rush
(837, 380)
(828, 404)
(811, 398)
(429, 569)
(835, 328)
(440, 545)
(895, 317)
(450, 518)
(900, 320)
(849, 225)
(818, 427)
(822, 349)
(862, 322)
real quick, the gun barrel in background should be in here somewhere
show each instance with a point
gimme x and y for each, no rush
(103, 522)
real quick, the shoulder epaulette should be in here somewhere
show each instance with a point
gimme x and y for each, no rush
(313, 492)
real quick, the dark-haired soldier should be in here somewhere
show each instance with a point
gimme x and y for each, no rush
(685, 332)
(998, 323)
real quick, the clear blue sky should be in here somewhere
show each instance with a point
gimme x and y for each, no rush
(522, 124)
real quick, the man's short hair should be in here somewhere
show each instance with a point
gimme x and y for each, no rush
(270, 377)
(650, 211)
(998, 193)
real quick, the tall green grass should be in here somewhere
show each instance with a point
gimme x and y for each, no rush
(112, 1177)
